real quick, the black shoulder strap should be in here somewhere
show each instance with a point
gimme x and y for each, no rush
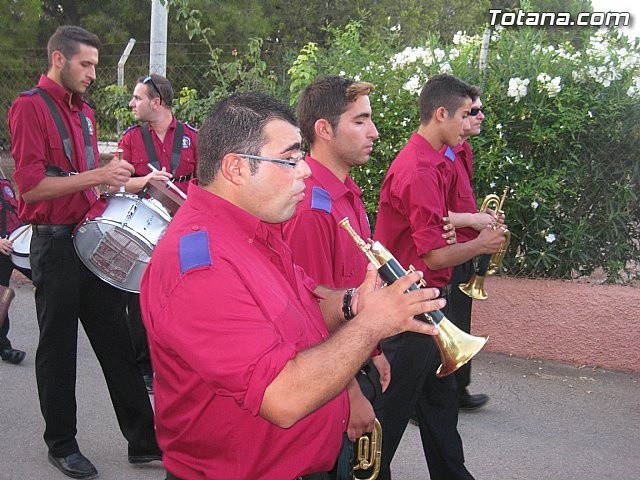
(148, 145)
(151, 151)
(3, 226)
(177, 147)
(64, 134)
(88, 148)
(62, 129)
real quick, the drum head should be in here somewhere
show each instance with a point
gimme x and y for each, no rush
(113, 252)
(21, 238)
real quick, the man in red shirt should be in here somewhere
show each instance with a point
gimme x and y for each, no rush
(413, 202)
(468, 222)
(159, 139)
(54, 145)
(249, 381)
(169, 146)
(336, 121)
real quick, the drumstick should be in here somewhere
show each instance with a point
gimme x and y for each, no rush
(170, 184)
(24, 230)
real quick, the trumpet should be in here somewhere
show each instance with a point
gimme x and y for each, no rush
(488, 264)
(456, 347)
(369, 452)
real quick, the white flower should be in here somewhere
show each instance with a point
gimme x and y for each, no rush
(517, 88)
(413, 85)
(534, 204)
(550, 238)
(396, 28)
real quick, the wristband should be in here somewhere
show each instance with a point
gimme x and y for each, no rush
(346, 304)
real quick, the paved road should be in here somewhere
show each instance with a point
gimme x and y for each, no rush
(545, 421)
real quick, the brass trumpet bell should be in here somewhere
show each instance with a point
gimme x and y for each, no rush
(474, 288)
(456, 347)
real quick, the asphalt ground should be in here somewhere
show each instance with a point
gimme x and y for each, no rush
(544, 421)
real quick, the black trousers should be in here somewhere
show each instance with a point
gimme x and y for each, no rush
(6, 269)
(458, 310)
(414, 360)
(138, 334)
(65, 292)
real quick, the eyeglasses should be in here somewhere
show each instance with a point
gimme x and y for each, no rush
(148, 79)
(475, 111)
(289, 162)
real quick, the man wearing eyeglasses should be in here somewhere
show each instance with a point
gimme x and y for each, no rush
(54, 144)
(251, 356)
(159, 138)
(168, 145)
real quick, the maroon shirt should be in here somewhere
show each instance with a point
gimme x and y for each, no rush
(225, 308)
(319, 244)
(461, 197)
(135, 152)
(413, 200)
(36, 142)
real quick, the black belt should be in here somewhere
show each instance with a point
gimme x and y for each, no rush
(53, 229)
(183, 178)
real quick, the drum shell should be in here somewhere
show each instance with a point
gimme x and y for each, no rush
(117, 238)
(21, 238)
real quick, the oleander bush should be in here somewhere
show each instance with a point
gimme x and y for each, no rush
(562, 130)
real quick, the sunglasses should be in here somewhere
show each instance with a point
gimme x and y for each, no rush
(475, 111)
(148, 79)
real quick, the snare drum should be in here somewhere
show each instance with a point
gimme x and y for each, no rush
(21, 238)
(118, 236)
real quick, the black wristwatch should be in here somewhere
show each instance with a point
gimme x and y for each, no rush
(346, 304)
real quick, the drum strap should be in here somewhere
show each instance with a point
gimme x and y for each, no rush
(64, 134)
(151, 151)
(5, 205)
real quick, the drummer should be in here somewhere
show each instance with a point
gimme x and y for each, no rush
(54, 144)
(159, 139)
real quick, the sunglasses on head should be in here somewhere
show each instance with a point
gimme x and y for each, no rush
(148, 79)
(475, 111)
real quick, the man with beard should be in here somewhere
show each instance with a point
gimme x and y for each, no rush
(54, 145)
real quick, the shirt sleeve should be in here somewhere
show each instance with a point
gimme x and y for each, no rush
(224, 335)
(28, 144)
(423, 197)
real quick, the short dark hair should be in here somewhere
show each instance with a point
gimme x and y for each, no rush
(67, 40)
(236, 125)
(446, 91)
(327, 97)
(163, 86)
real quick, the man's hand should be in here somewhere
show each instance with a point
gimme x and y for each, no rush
(385, 312)
(361, 415)
(449, 231)
(384, 370)
(116, 173)
(6, 246)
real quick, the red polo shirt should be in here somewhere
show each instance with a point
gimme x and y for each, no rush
(413, 200)
(135, 153)
(36, 142)
(225, 309)
(461, 197)
(319, 244)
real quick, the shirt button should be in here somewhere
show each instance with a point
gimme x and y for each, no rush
(250, 240)
(195, 228)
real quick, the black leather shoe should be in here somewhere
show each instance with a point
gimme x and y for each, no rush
(148, 382)
(138, 457)
(12, 355)
(467, 401)
(75, 465)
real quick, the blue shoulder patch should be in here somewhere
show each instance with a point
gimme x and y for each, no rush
(450, 154)
(320, 199)
(194, 251)
(28, 92)
(131, 128)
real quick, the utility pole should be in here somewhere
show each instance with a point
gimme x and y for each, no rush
(158, 38)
